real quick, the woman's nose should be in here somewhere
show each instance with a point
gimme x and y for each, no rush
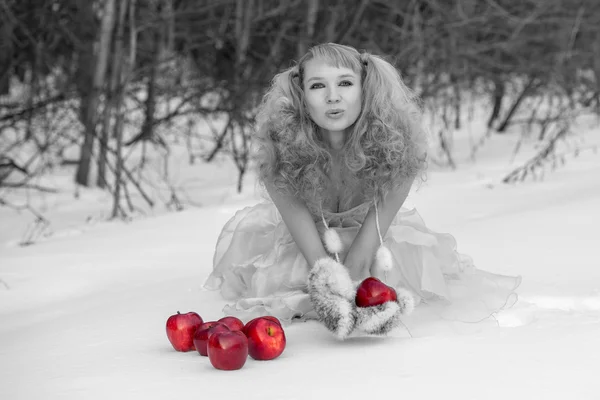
(333, 96)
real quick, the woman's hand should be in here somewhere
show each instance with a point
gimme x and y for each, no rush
(299, 222)
(358, 264)
(362, 251)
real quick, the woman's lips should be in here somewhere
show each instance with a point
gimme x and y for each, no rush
(335, 113)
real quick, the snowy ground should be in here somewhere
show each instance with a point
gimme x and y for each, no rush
(83, 311)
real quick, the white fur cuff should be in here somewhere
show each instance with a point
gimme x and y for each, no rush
(328, 273)
(332, 294)
(406, 301)
(376, 319)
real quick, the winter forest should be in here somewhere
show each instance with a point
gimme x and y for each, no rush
(126, 142)
(100, 85)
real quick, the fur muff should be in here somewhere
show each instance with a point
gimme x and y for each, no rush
(331, 292)
(332, 276)
(381, 319)
(378, 320)
(406, 301)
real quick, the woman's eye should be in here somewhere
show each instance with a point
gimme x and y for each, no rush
(321, 85)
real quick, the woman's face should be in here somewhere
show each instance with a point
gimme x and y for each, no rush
(333, 95)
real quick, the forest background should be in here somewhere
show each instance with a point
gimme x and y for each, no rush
(104, 88)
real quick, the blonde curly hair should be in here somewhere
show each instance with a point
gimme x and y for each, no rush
(386, 145)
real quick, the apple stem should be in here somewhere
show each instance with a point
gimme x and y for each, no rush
(178, 312)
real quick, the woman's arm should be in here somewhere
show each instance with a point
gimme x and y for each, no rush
(300, 223)
(362, 251)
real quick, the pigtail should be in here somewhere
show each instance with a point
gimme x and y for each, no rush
(385, 79)
(287, 154)
(389, 142)
(386, 85)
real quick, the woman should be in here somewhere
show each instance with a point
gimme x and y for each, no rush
(340, 145)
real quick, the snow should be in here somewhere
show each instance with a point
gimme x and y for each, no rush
(83, 310)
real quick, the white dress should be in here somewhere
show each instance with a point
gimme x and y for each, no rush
(258, 266)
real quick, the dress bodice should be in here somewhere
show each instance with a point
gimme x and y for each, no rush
(344, 197)
(351, 217)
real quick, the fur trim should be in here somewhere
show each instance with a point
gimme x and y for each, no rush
(378, 320)
(332, 240)
(330, 275)
(331, 293)
(383, 259)
(406, 301)
(335, 312)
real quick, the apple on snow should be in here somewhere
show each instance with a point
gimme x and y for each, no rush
(266, 338)
(227, 350)
(181, 329)
(228, 339)
(233, 323)
(204, 332)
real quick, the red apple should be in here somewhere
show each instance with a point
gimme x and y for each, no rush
(233, 323)
(266, 338)
(272, 318)
(228, 350)
(373, 292)
(269, 317)
(204, 332)
(181, 328)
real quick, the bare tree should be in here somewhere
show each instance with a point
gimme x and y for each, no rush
(100, 64)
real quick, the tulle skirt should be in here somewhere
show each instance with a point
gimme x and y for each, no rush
(258, 266)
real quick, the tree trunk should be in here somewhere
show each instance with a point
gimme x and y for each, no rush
(243, 26)
(104, 134)
(498, 96)
(121, 73)
(332, 25)
(34, 88)
(457, 100)
(311, 18)
(148, 127)
(89, 109)
(169, 18)
(147, 131)
(596, 64)
(109, 108)
(524, 93)
(6, 56)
